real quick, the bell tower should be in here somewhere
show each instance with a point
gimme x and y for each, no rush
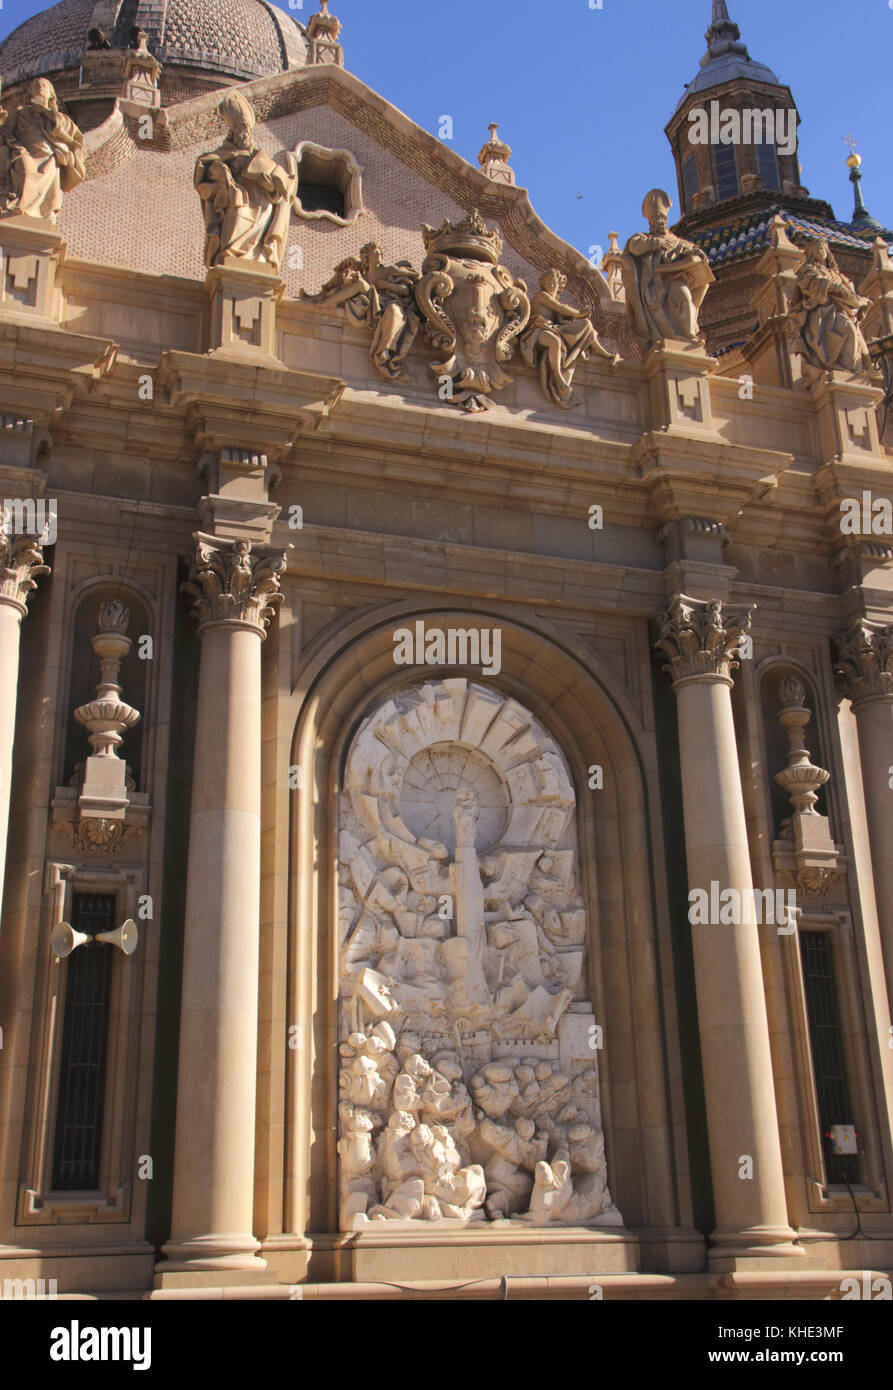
(734, 130)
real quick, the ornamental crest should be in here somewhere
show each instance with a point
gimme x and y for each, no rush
(474, 310)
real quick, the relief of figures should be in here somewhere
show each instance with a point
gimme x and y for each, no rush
(468, 1087)
(246, 196)
(474, 314)
(665, 277)
(42, 155)
(825, 322)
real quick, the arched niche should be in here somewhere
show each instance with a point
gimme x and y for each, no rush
(84, 674)
(348, 673)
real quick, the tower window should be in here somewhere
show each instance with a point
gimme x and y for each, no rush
(84, 1046)
(689, 180)
(726, 171)
(826, 1037)
(767, 164)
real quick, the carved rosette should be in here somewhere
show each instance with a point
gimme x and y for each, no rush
(699, 640)
(21, 559)
(234, 583)
(865, 662)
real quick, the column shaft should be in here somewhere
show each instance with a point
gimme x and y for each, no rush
(10, 631)
(745, 1147)
(212, 1217)
(874, 719)
(732, 1020)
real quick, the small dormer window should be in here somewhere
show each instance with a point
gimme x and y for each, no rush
(330, 184)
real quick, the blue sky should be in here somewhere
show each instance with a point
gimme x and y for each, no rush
(582, 95)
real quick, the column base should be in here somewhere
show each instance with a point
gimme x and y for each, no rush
(755, 1247)
(217, 1253)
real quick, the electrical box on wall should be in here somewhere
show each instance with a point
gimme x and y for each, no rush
(844, 1139)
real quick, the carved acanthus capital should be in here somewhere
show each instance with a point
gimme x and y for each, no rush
(234, 583)
(699, 639)
(21, 559)
(865, 661)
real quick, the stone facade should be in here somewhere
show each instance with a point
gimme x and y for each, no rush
(475, 624)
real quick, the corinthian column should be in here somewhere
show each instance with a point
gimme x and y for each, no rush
(700, 643)
(21, 558)
(235, 589)
(865, 661)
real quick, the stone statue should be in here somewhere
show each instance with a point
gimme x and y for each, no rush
(246, 196)
(42, 155)
(825, 322)
(467, 1084)
(665, 277)
(381, 296)
(557, 337)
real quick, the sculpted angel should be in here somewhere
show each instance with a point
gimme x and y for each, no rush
(381, 296)
(42, 155)
(665, 277)
(825, 323)
(557, 337)
(246, 196)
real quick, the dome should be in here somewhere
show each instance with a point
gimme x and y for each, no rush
(242, 39)
(726, 59)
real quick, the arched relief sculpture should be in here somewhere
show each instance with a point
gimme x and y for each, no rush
(468, 1080)
(474, 314)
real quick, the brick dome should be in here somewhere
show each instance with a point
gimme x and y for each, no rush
(241, 39)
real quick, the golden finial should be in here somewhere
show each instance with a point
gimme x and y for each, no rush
(853, 160)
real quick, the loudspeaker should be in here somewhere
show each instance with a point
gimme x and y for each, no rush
(124, 937)
(65, 939)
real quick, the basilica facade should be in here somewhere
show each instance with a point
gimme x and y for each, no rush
(446, 692)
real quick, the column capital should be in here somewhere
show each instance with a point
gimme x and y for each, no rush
(865, 662)
(21, 558)
(234, 582)
(699, 640)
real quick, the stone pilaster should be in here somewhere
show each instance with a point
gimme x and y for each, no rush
(865, 665)
(236, 589)
(700, 642)
(21, 560)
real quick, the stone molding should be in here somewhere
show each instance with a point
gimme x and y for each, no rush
(865, 662)
(699, 640)
(234, 583)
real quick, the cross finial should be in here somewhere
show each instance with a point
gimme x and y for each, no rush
(849, 139)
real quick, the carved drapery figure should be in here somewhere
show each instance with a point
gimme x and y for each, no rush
(381, 296)
(246, 196)
(824, 323)
(557, 337)
(665, 277)
(42, 156)
(465, 1054)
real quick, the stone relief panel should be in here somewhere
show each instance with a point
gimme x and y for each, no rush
(468, 1079)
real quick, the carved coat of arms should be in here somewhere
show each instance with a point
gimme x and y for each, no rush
(474, 310)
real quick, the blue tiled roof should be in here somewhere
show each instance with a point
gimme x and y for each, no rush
(748, 235)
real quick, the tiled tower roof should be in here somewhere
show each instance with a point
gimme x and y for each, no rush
(237, 38)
